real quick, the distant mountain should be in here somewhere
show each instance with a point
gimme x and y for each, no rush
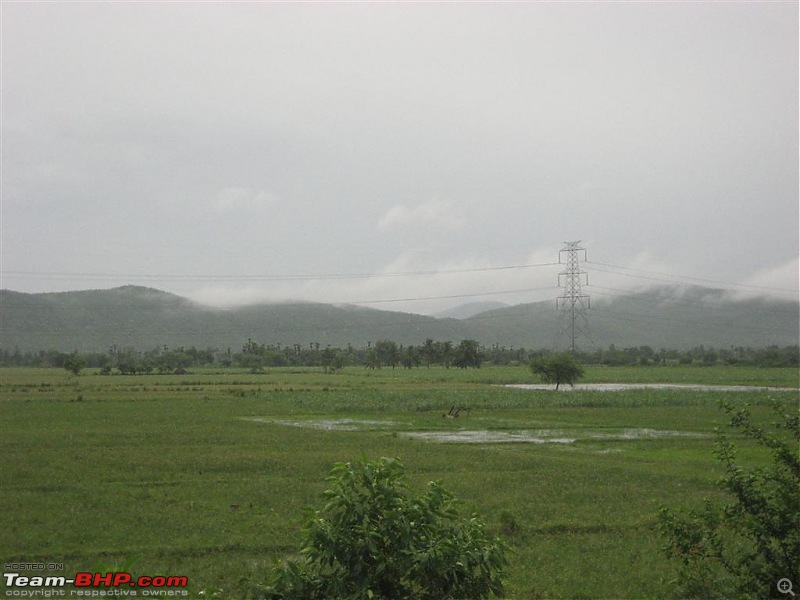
(145, 318)
(465, 311)
(664, 317)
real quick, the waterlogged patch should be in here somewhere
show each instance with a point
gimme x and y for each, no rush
(486, 436)
(621, 387)
(329, 424)
(480, 436)
(646, 434)
(541, 436)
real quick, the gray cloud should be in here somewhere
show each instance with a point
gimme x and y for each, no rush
(346, 138)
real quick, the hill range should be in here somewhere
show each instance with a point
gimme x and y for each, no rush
(675, 317)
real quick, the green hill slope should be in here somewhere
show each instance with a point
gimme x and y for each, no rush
(676, 317)
(665, 317)
(145, 318)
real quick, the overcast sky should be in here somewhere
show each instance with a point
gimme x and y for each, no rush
(359, 152)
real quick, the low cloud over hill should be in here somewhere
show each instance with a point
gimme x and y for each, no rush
(661, 317)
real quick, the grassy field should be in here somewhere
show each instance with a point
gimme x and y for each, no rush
(207, 474)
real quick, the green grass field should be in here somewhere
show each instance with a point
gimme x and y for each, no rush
(207, 474)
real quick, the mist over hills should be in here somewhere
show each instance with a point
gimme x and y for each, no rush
(145, 318)
(470, 309)
(676, 317)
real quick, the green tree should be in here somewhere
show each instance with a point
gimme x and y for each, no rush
(375, 539)
(410, 356)
(332, 360)
(388, 352)
(445, 353)
(557, 368)
(743, 548)
(467, 354)
(74, 363)
(372, 360)
(429, 352)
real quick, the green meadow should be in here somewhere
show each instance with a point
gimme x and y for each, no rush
(207, 474)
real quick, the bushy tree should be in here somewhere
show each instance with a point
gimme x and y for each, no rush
(388, 352)
(467, 354)
(375, 539)
(74, 363)
(557, 368)
(331, 360)
(741, 549)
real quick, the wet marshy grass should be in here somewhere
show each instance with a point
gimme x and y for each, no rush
(145, 470)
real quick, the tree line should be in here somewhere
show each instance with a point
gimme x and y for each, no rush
(382, 353)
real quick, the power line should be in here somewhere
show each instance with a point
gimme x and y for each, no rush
(670, 278)
(599, 266)
(652, 298)
(335, 302)
(44, 275)
(572, 297)
(527, 290)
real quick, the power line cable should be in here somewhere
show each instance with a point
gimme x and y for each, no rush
(498, 293)
(652, 298)
(657, 276)
(50, 304)
(44, 275)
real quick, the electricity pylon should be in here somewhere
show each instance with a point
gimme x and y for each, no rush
(573, 303)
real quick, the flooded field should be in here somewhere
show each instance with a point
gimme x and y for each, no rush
(330, 424)
(542, 436)
(494, 429)
(222, 466)
(482, 435)
(620, 387)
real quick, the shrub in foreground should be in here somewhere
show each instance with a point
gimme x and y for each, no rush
(375, 539)
(744, 548)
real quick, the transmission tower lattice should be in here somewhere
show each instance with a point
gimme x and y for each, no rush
(573, 303)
